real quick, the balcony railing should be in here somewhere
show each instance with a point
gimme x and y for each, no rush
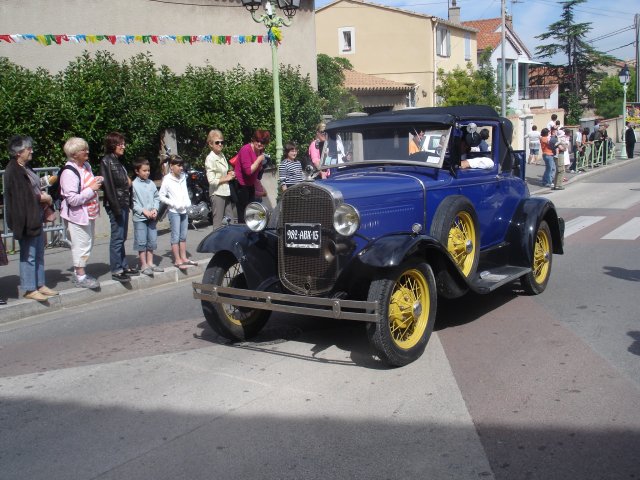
(537, 92)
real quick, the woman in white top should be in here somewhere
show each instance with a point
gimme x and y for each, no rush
(219, 174)
(174, 193)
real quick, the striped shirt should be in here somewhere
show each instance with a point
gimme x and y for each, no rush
(290, 172)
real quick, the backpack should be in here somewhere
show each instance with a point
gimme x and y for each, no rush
(54, 189)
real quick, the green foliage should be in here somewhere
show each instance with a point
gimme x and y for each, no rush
(608, 98)
(469, 86)
(337, 101)
(579, 75)
(96, 94)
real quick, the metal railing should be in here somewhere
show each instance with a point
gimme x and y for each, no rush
(595, 154)
(56, 235)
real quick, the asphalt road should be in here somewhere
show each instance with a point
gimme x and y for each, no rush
(510, 387)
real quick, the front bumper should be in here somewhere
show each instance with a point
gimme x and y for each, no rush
(339, 309)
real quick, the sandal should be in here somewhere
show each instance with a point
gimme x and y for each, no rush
(190, 263)
(180, 266)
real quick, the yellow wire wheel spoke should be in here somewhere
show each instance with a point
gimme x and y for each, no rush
(408, 300)
(229, 321)
(541, 255)
(462, 242)
(409, 309)
(535, 282)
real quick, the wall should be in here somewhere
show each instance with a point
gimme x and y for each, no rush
(138, 17)
(389, 43)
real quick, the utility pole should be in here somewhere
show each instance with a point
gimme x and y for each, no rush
(503, 111)
(637, 24)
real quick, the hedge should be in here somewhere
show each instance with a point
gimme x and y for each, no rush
(96, 94)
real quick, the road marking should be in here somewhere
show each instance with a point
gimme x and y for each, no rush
(626, 231)
(579, 223)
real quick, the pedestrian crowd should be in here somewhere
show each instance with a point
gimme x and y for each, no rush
(233, 184)
(560, 148)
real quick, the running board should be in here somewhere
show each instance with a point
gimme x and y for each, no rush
(489, 280)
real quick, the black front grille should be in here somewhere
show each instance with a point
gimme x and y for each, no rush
(307, 271)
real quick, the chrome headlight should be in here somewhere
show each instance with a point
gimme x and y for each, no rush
(346, 220)
(256, 216)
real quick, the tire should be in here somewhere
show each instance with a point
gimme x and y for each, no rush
(535, 282)
(229, 321)
(408, 301)
(455, 226)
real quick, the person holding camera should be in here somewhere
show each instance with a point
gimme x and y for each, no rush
(80, 207)
(249, 166)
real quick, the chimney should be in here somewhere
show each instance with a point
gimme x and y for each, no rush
(454, 12)
(508, 19)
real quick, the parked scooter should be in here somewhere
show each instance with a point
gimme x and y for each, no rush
(198, 187)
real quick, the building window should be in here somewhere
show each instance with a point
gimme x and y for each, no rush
(346, 40)
(467, 46)
(443, 42)
(511, 74)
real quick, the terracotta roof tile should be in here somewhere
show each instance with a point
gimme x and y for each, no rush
(358, 81)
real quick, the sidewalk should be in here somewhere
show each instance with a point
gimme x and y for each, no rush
(59, 272)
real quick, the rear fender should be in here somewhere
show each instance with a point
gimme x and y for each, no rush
(256, 251)
(524, 226)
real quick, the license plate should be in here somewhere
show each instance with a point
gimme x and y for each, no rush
(302, 235)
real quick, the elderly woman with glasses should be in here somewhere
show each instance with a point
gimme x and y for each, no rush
(117, 199)
(80, 207)
(219, 174)
(24, 202)
(250, 163)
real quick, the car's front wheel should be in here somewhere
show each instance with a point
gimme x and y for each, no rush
(407, 298)
(535, 282)
(229, 321)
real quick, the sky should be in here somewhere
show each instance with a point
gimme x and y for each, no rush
(532, 17)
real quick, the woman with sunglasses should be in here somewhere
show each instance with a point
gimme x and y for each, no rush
(219, 174)
(248, 167)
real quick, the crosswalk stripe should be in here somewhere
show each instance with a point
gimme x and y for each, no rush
(579, 223)
(626, 231)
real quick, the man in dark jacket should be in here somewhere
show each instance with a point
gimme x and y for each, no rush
(117, 201)
(630, 139)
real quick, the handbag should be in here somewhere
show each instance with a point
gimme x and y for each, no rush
(234, 186)
(49, 214)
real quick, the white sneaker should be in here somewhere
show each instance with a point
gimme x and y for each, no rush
(87, 282)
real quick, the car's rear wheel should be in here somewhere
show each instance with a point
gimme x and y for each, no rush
(535, 282)
(407, 298)
(229, 321)
(454, 225)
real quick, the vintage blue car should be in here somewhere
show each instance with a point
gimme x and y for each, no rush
(410, 209)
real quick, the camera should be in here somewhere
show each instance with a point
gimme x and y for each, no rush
(266, 161)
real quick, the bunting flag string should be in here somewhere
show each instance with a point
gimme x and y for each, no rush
(273, 35)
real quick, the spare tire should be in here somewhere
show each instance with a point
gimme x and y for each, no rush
(455, 226)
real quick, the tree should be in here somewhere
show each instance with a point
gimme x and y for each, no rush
(609, 96)
(337, 100)
(469, 86)
(578, 75)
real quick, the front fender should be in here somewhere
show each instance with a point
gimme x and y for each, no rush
(256, 251)
(524, 226)
(390, 251)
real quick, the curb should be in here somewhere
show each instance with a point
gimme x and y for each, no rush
(576, 177)
(73, 297)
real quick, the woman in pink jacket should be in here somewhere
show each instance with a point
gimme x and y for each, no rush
(250, 163)
(80, 207)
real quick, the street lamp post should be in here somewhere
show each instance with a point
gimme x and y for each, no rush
(624, 78)
(273, 22)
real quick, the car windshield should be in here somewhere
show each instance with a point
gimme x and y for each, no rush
(420, 144)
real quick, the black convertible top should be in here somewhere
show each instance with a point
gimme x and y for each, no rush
(434, 115)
